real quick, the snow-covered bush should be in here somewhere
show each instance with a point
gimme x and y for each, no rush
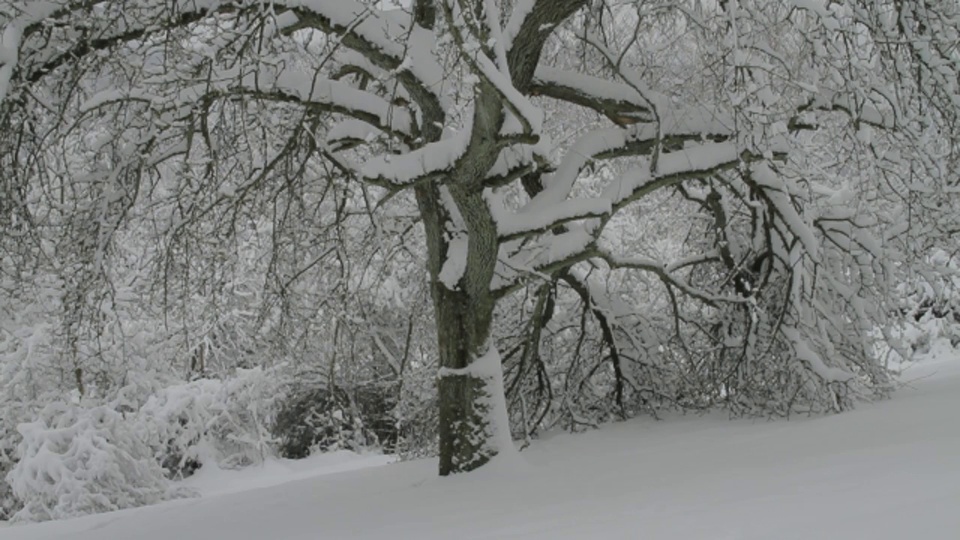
(328, 419)
(12, 412)
(26, 384)
(929, 305)
(416, 414)
(75, 461)
(8, 503)
(209, 420)
(918, 335)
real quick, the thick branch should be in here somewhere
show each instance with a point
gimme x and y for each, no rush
(617, 102)
(528, 40)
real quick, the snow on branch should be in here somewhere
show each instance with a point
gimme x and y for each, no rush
(337, 96)
(521, 11)
(654, 102)
(294, 87)
(806, 354)
(695, 161)
(513, 226)
(430, 161)
(141, 19)
(564, 249)
(9, 54)
(349, 134)
(564, 246)
(455, 263)
(618, 101)
(778, 195)
(635, 140)
(628, 104)
(864, 111)
(387, 38)
(662, 271)
(378, 29)
(529, 116)
(516, 160)
(541, 257)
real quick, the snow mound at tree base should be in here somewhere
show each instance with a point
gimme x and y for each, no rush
(888, 470)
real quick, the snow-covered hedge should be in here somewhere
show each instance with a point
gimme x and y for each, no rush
(918, 336)
(929, 305)
(98, 455)
(75, 461)
(328, 419)
(222, 422)
(8, 502)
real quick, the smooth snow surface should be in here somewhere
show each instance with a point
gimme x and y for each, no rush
(209, 481)
(889, 470)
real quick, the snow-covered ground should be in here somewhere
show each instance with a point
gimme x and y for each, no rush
(889, 470)
(211, 481)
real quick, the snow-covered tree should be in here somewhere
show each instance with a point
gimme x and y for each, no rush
(719, 186)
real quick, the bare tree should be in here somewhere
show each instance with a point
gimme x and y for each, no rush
(770, 295)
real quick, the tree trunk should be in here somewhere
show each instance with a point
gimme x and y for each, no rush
(464, 393)
(473, 424)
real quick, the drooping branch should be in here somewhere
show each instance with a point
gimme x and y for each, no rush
(609, 340)
(314, 93)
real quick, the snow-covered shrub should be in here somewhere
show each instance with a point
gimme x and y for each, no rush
(27, 383)
(10, 416)
(12, 413)
(929, 305)
(374, 405)
(417, 414)
(326, 420)
(918, 335)
(209, 420)
(75, 461)
(8, 503)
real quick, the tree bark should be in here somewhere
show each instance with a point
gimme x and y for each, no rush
(473, 420)
(465, 412)
(464, 314)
